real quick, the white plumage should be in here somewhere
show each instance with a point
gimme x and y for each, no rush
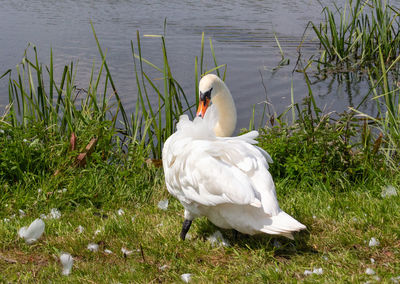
(225, 179)
(67, 261)
(32, 233)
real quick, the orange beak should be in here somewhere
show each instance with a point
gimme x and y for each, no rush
(203, 105)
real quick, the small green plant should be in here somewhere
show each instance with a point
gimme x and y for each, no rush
(335, 149)
(321, 149)
(39, 158)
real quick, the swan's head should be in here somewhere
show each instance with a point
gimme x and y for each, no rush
(209, 87)
(213, 89)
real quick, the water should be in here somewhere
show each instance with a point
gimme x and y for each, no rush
(242, 34)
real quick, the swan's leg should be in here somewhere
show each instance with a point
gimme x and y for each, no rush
(189, 216)
(185, 228)
(235, 234)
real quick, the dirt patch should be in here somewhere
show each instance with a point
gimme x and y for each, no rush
(16, 256)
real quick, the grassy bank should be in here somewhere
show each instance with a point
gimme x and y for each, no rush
(341, 217)
(78, 151)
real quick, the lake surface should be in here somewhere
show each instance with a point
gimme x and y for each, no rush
(242, 34)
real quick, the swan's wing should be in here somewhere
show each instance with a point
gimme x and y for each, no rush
(254, 162)
(222, 171)
(206, 176)
(250, 137)
(209, 170)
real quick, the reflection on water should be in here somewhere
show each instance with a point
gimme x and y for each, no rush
(242, 33)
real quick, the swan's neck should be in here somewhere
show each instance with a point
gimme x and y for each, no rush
(225, 105)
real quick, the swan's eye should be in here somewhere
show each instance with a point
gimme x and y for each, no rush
(206, 95)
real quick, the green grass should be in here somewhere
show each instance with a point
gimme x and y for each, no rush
(339, 229)
(340, 220)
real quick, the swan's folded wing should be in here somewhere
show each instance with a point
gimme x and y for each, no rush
(206, 177)
(249, 139)
(210, 171)
(230, 171)
(253, 161)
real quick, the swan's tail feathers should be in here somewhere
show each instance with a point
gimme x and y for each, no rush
(283, 224)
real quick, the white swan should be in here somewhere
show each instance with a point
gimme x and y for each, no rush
(223, 178)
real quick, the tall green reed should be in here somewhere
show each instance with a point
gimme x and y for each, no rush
(386, 94)
(153, 123)
(353, 34)
(58, 103)
(35, 95)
